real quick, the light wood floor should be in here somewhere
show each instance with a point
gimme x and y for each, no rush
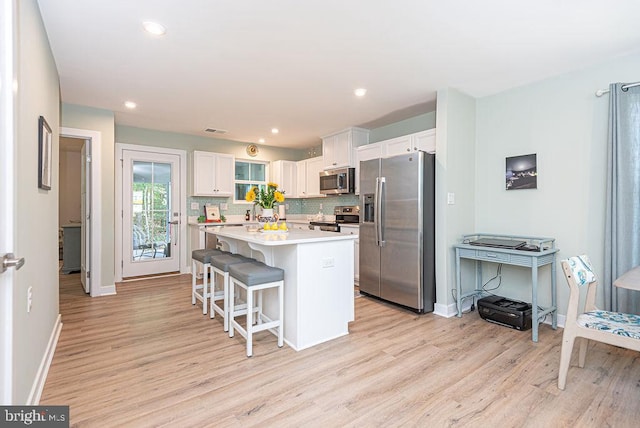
(147, 357)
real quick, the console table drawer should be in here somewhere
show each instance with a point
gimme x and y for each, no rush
(492, 256)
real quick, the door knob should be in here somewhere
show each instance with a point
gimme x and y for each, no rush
(9, 261)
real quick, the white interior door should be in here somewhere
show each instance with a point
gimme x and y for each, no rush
(150, 213)
(85, 215)
(7, 207)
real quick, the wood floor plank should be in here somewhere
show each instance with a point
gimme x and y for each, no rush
(147, 357)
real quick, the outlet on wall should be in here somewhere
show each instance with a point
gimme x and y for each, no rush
(328, 262)
(195, 206)
(29, 298)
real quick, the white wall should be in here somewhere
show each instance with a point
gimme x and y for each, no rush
(36, 209)
(562, 121)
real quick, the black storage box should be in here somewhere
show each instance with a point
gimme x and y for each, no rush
(507, 312)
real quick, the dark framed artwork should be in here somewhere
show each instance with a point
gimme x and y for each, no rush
(521, 172)
(44, 154)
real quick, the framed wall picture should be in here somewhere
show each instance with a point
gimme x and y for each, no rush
(44, 154)
(212, 213)
(521, 172)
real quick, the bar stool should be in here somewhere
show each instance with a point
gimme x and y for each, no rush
(255, 276)
(220, 265)
(202, 257)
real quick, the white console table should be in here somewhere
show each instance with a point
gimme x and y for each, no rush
(545, 255)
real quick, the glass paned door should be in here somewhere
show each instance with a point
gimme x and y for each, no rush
(150, 213)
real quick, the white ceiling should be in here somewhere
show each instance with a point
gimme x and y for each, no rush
(247, 66)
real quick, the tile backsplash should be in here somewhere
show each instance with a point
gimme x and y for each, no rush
(296, 206)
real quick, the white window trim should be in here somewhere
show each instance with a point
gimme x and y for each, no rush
(266, 164)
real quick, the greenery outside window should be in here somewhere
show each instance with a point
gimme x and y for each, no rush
(247, 174)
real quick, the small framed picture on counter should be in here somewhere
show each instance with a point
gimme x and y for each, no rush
(212, 213)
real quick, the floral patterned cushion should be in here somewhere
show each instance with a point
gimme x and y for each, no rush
(612, 322)
(581, 269)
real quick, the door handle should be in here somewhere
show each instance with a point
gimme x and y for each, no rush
(9, 261)
(173, 222)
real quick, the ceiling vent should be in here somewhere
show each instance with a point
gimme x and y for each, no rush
(216, 131)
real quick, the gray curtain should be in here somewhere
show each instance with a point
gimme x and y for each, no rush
(622, 221)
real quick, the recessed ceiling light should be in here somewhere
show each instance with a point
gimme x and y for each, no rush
(130, 104)
(274, 130)
(154, 28)
(261, 141)
(360, 92)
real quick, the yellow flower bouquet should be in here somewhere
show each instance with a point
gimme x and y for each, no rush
(265, 198)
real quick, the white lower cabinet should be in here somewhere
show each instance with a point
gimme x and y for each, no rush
(354, 230)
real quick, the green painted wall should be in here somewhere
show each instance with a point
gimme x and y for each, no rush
(93, 119)
(403, 127)
(36, 210)
(565, 124)
(149, 137)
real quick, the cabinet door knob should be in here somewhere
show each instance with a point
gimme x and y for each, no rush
(408, 149)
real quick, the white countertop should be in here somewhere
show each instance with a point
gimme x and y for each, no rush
(239, 220)
(294, 236)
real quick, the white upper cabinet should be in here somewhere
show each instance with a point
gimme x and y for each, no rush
(397, 146)
(365, 153)
(283, 173)
(338, 150)
(424, 140)
(308, 177)
(212, 174)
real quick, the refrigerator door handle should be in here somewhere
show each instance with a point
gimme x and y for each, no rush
(376, 208)
(381, 210)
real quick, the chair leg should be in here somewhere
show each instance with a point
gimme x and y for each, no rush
(193, 282)
(249, 327)
(281, 315)
(212, 313)
(205, 277)
(232, 307)
(584, 343)
(565, 358)
(225, 285)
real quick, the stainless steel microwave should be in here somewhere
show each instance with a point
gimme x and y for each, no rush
(337, 181)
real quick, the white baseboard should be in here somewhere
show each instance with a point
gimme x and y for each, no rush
(43, 370)
(107, 290)
(450, 310)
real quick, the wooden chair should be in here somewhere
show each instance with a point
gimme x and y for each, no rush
(613, 328)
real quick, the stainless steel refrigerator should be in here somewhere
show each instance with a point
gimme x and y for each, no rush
(397, 230)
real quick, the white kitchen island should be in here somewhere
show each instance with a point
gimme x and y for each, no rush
(318, 279)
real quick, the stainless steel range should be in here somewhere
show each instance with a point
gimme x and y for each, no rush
(344, 215)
